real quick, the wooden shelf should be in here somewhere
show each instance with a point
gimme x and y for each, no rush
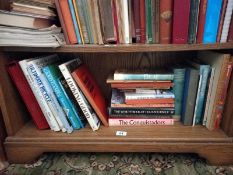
(111, 48)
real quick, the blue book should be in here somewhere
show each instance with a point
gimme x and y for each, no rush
(74, 21)
(52, 73)
(213, 13)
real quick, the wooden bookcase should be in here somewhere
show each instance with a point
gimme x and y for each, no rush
(24, 142)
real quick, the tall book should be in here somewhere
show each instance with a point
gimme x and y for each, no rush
(27, 95)
(91, 90)
(227, 20)
(189, 97)
(136, 10)
(66, 69)
(230, 33)
(155, 20)
(201, 21)
(180, 21)
(165, 22)
(142, 10)
(149, 37)
(212, 21)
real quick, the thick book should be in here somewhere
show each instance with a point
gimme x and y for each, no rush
(189, 97)
(220, 26)
(67, 18)
(35, 69)
(166, 11)
(66, 70)
(122, 74)
(91, 90)
(53, 74)
(136, 10)
(212, 21)
(193, 21)
(27, 95)
(227, 20)
(142, 21)
(140, 111)
(139, 122)
(180, 21)
(201, 21)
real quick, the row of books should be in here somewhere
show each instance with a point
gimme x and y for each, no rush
(31, 24)
(198, 92)
(146, 21)
(59, 96)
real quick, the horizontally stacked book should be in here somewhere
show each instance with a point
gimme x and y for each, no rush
(146, 21)
(59, 96)
(30, 23)
(141, 98)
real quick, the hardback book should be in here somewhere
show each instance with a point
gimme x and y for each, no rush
(131, 22)
(66, 70)
(136, 10)
(27, 95)
(122, 74)
(108, 29)
(150, 101)
(189, 97)
(180, 22)
(139, 122)
(91, 90)
(67, 18)
(35, 70)
(178, 89)
(115, 20)
(53, 74)
(39, 96)
(219, 62)
(227, 20)
(165, 22)
(142, 21)
(155, 20)
(18, 19)
(75, 22)
(230, 33)
(212, 21)
(149, 20)
(193, 21)
(201, 21)
(220, 26)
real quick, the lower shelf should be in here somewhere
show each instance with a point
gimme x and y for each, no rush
(215, 146)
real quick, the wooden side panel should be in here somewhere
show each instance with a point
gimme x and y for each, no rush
(2, 138)
(13, 109)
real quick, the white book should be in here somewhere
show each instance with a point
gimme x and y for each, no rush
(35, 69)
(154, 95)
(125, 21)
(66, 69)
(227, 20)
(39, 97)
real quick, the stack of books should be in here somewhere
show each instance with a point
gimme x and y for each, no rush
(30, 23)
(141, 98)
(59, 96)
(146, 21)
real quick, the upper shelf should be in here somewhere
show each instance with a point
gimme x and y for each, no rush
(111, 48)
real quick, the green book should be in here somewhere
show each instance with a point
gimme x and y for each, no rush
(149, 21)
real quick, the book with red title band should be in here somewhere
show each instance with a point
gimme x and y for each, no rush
(91, 90)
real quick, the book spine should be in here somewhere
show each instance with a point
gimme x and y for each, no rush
(90, 11)
(204, 73)
(227, 21)
(61, 98)
(45, 88)
(122, 76)
(141, 111)
(97, 21)
(85, 107)
(68, 21)
(180, 21)
(125, 15)
(230, 33)
(159, 105)
(82, 21)
(136, 7)
(139, 122)
(212, 21)
(201, 20)
(151, 101)
(166, 10)
(157, 21)
(139, 96)
(193, 21)
(142, 21)
(149, 21)
(39, 97)
(179, 75)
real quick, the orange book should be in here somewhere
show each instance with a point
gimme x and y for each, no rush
(149, 85)
(92, 92)
(65, 10)
(151, 101)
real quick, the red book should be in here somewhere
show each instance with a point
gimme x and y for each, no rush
(142, 21)
(136, 12)
(65, 10)
(152, 85)
(230, 33)
(27, 95)
(166, 10)
(91, 90)
(180, 21)
(201, 20)
(115, 20)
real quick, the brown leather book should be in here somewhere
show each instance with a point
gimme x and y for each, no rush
(201, 21)
(165, 25)
(230, 33)
(142, 21)
(223, 11)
